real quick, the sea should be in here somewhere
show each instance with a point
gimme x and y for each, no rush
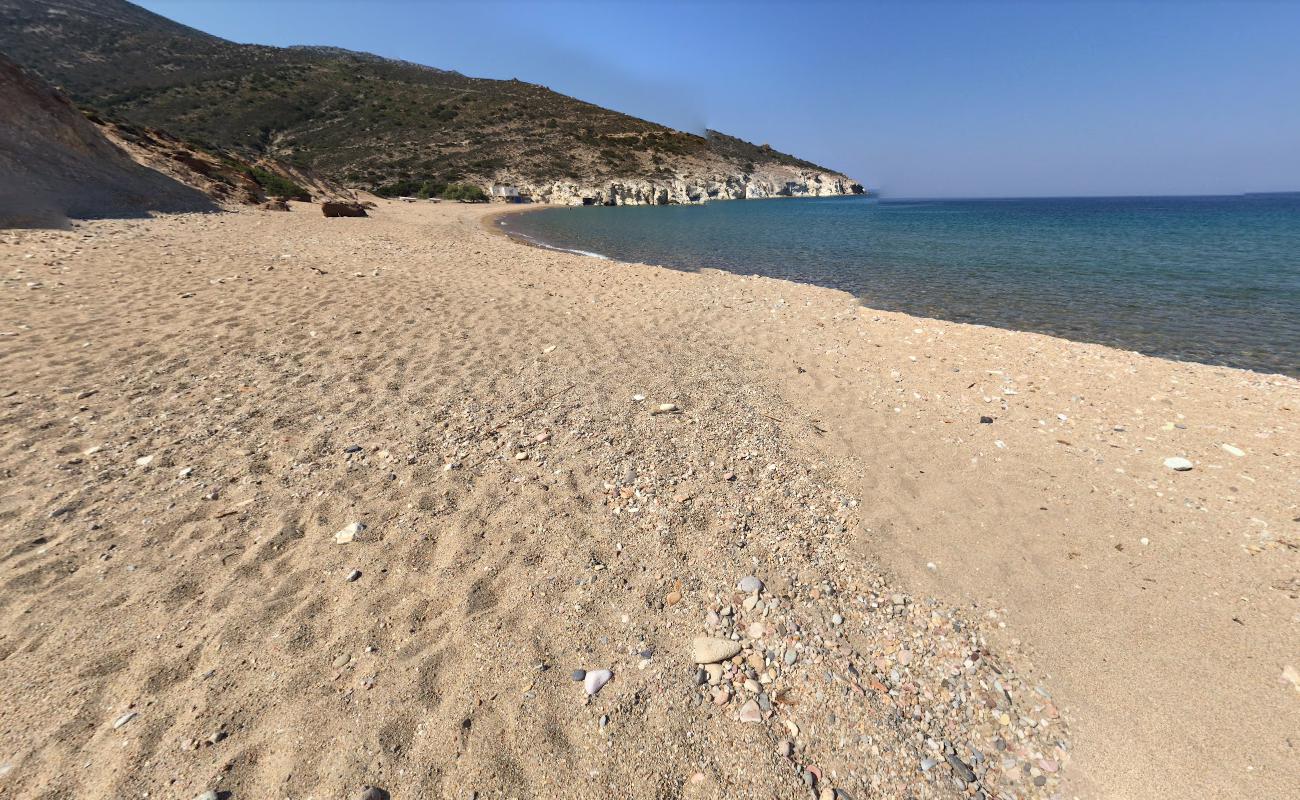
(1214, 280)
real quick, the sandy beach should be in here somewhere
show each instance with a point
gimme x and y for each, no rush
(976, 575)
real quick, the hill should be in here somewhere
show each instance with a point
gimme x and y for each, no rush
(375, 123)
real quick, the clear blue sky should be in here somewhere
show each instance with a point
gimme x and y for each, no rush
(915, 98)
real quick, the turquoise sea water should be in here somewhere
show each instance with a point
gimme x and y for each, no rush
(1209, 279)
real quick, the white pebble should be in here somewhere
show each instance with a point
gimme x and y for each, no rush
(596, 679)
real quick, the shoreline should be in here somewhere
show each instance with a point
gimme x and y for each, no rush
(836, 452)
(490, 223)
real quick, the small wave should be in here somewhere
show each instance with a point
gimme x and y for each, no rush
(539, 243)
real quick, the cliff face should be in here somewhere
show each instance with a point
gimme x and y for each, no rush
(772, 182)
(55, 164)
(392, 127)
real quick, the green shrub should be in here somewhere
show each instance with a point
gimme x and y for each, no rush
(277, 185)
(465, 192)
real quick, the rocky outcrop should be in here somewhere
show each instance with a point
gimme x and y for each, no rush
(689, 189)
(341, 208)
(55, 164)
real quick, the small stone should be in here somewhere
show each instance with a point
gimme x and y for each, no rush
(122, 720)
(144, 461)
(372, 793)
(521, 456)
(721, 696)
(1040, 780)
(927, 764)
(785, 748)
(354, 448)
(701, 677)
(1292, 676)
(185, 473)
(596, 679)
(548, 349)
(711, 650)
(713, 673)
(756, 630)
(1233, 451)
(210, 794)
(578, 674)
(1178, 463)
(837, 619)
(354, 575)
(637, 398)
(342, 660)
(960, 768)
(808, 778)
(790, 657)
(750, 584)
(349, 533)
(673, 598)
(750, 712)
(986, 420)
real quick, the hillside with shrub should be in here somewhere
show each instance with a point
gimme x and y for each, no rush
(360, 119)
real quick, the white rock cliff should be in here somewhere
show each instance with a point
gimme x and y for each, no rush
(768, 181)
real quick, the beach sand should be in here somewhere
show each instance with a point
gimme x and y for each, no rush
(193, 406)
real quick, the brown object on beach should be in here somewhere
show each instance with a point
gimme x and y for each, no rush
(340, 208)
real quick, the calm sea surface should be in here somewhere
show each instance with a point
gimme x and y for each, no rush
(1210, 279)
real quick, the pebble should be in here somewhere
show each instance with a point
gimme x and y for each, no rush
(1291, 675)
(785, 748)
(579, 674)
(673, 598)
(960, 768)
(125, 718)
(986, 420)
(837, 619)
(1178, 463)
(711, 650)
(596, 679)
(210, 794)
(144, 461)
(756, 630)
(349, 533)
(750, 584)
(354, 448)
(354, 575)
(750, 712)
(790, 657)
(1233, 451)
(372, 793)
(342, 660)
